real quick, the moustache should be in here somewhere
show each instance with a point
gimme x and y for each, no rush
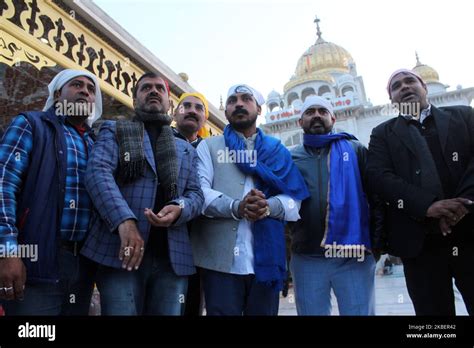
(191, 116)
(81, 98)
(240, 111)
(316, 122)
(153, 96)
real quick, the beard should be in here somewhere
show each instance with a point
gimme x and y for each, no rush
(318, 128)
(160, 106)
(241, 125)
(153, 108)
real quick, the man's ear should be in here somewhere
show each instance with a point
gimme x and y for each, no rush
(259, 109)
(300, 122)
(56, 94)
(179, 107)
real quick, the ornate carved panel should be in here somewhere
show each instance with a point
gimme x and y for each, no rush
(43, 34)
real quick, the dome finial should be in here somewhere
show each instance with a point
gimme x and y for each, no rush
(417, 59)
(318, 30)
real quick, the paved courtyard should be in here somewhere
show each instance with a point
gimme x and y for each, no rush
(391, 297)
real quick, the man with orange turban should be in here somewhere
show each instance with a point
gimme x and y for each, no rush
(190, 116)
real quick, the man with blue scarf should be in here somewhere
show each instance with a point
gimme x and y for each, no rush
(331, 241)
(251, 187)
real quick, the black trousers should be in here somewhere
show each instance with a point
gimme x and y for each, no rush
(193, 299)
(429, 277)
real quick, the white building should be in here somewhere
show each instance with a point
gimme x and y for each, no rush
(328, 70)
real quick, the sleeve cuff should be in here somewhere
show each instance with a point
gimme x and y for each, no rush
(182, 217)
(276, 208)
(114, 226)
(234, 209)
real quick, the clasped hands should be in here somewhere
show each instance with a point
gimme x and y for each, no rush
(449, 212)
(254, 206)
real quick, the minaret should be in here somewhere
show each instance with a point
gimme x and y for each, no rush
(221, 107)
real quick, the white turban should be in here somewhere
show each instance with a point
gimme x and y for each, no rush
(241, 88)
(314, 101)
(67, 75)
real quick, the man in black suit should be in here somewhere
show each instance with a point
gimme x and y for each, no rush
(421, 164)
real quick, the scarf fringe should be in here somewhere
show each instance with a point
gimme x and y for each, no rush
(131, 170)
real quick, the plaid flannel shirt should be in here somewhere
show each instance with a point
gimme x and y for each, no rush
(15, 148)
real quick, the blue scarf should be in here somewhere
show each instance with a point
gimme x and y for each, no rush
(348, 211)
(274, 173)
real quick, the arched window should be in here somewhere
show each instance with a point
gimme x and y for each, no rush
(272, 106)
(292, 97)
(306, 92)
(324, 89)
(347, 90)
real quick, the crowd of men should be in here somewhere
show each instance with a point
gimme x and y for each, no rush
(165, 220)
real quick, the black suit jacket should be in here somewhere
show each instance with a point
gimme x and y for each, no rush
(394, 174)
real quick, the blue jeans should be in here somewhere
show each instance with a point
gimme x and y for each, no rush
(352, 281)
(70, 296)
(233, 294)
(153, 289)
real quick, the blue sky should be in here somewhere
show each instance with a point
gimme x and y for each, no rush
(219, 43)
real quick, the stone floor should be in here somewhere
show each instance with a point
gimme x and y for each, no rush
(391, 297)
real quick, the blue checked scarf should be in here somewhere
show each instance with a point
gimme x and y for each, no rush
(348, 211)
(275, 174)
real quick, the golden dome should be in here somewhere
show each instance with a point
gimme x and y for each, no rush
(313, 76)
(427, 73)
(319, 60)
(323, 56)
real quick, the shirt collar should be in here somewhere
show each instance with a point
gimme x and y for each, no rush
(251, 138)
(179, 135)
(425, 113)
(250, 141)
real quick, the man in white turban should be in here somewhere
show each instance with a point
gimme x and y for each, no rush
(92, 110)
(44, 206)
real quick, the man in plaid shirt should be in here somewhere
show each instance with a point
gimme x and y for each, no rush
(144, 185)
(44, 207)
